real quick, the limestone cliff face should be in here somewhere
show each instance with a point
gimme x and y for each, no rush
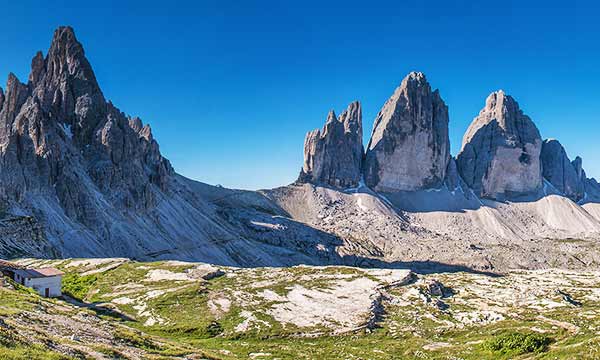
(409, 148)
(566, 176)
(58, 130)
(500, 154)
(333, 155)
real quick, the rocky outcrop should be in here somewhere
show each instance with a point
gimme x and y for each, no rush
(566, 176)
(590, 188)
(409, 148)
(23, 236)
(500, 155)
(333, 155)
(58, 129)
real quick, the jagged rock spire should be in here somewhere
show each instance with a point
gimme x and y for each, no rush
(333, 155)
(500, 155)
(13, 99)
(66, 59)
(409, 147)
(60, 135)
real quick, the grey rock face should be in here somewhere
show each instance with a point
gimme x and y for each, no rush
(453, 180)
(590, 188)
(579, 172)
(58, 129)
(565, 176)
(409, 148)
(334, 154)
(500, 154)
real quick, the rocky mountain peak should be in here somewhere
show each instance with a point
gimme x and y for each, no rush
(333, 155)
(578, 166)
(500, 154)
(37, 68)
(352, 118)
(61, 136)
(67, 57)
(13, 99)
(331, 117)
(409, 147)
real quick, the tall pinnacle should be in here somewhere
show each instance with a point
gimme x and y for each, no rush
(409, 147)
(66, 59)
(333, 155)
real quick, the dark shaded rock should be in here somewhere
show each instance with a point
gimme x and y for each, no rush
(568, 298)
(591, 190)
(334, 154)
(409, 148)
(500, 155)
(565, 176)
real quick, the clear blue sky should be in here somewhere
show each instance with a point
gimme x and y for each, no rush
(231, 87)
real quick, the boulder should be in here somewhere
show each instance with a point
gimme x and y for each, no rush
(409, 148)
(500, 155)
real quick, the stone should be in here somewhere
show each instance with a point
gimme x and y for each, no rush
(434, 287)
(500, 155)
(205, 272)
(564, 175)
(409, 148)
(333, 155)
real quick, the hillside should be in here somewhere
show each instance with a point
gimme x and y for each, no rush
(134, 310)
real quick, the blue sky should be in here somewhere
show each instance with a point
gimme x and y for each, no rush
(231, 87)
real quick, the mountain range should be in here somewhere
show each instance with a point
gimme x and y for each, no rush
(80, 178)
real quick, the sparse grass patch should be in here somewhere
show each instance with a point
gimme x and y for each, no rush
(136, 339)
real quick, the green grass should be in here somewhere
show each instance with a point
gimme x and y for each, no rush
(14, 347)
(31, 352)
(77, 286)
(515, 343)
(407, 331)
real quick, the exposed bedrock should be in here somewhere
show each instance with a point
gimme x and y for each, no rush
(333, 155)
(500, 155)
(409, 148)
(566, 176)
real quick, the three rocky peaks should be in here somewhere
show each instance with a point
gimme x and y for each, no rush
(90, 181)
(502, 155)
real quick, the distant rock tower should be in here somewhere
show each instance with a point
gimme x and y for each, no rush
(500, 156)
(409, 148)
(333, 155)
(566, 176)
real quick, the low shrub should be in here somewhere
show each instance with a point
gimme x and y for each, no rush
(515, 343)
